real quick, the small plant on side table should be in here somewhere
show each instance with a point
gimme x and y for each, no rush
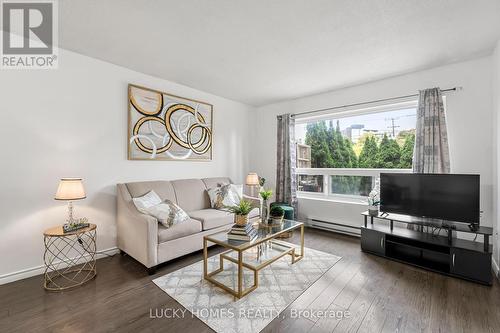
(241, 212)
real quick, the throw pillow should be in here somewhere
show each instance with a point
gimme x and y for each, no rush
(222, 196)
(167, 213)
(238, 189)
(149, 199)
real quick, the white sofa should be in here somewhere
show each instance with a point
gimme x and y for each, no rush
(150, 243)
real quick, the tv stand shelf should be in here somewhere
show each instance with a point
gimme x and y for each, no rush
(462, 258)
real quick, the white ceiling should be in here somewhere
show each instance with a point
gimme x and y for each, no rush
(263, 51)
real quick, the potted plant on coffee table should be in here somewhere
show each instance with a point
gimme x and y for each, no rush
(241, 212)
(276, 214)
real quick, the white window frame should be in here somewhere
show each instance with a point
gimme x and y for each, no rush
(327, 172)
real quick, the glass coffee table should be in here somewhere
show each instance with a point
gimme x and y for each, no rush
(254, 255)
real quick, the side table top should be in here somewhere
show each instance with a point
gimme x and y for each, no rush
(59, 232)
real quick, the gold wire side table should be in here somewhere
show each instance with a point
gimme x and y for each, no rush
(70, 258)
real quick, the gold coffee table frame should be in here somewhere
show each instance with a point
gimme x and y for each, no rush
(266, 234)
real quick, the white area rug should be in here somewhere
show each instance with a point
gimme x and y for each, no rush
(279, 285)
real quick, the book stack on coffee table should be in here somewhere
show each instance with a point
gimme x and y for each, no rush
(242, 233)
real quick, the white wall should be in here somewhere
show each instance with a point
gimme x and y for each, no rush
(72, 122)
(469, 115)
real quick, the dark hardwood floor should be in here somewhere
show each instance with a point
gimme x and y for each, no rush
(379, 295)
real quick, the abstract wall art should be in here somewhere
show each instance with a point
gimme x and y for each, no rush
(167, 127)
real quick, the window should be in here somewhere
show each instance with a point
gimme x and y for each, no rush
(351, 185)
(310, 183)
(350, 149)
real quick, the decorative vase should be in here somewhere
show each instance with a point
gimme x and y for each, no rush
(264, 212)
(241, 220)
(373, 210)
(374, 199)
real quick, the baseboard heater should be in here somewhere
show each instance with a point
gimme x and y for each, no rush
(335, 227)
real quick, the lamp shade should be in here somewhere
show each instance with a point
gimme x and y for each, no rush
(70, 189)
(252, 179)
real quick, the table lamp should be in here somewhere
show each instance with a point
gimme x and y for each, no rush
(71, 189)
(252, 181)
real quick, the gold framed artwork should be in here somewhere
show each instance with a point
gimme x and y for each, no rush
(162, 126)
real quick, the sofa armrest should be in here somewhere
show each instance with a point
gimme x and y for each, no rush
(256, 202)
(137, 233)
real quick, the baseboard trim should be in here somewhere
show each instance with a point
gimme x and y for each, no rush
(339, 227)
(37, 270)
(337, 231)
(495, 268)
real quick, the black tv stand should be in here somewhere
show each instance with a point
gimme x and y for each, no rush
(430, 250)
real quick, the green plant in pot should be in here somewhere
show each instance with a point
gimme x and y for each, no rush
(264, 211)
(277, 213)
(240, 212)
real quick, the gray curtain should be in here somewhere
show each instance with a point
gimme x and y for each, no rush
(431, 153)
(286, 179)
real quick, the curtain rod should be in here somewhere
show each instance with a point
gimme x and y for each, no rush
(370, 102)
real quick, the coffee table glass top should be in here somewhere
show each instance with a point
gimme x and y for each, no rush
(264, 233)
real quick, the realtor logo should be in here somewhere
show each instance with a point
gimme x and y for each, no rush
(29, 34)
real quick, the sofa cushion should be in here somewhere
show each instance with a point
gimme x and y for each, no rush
(212, 218)
(163, 188)
(179, 230)
(216, 181)
(191, 194)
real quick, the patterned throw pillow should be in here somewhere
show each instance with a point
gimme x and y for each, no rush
(167, 213)
(222, 196)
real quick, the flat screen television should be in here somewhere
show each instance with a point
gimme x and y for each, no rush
(451, 197)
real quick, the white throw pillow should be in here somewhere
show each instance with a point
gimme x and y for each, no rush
(238, 189)
(148, 200)
(167, 213)
(225, 195)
